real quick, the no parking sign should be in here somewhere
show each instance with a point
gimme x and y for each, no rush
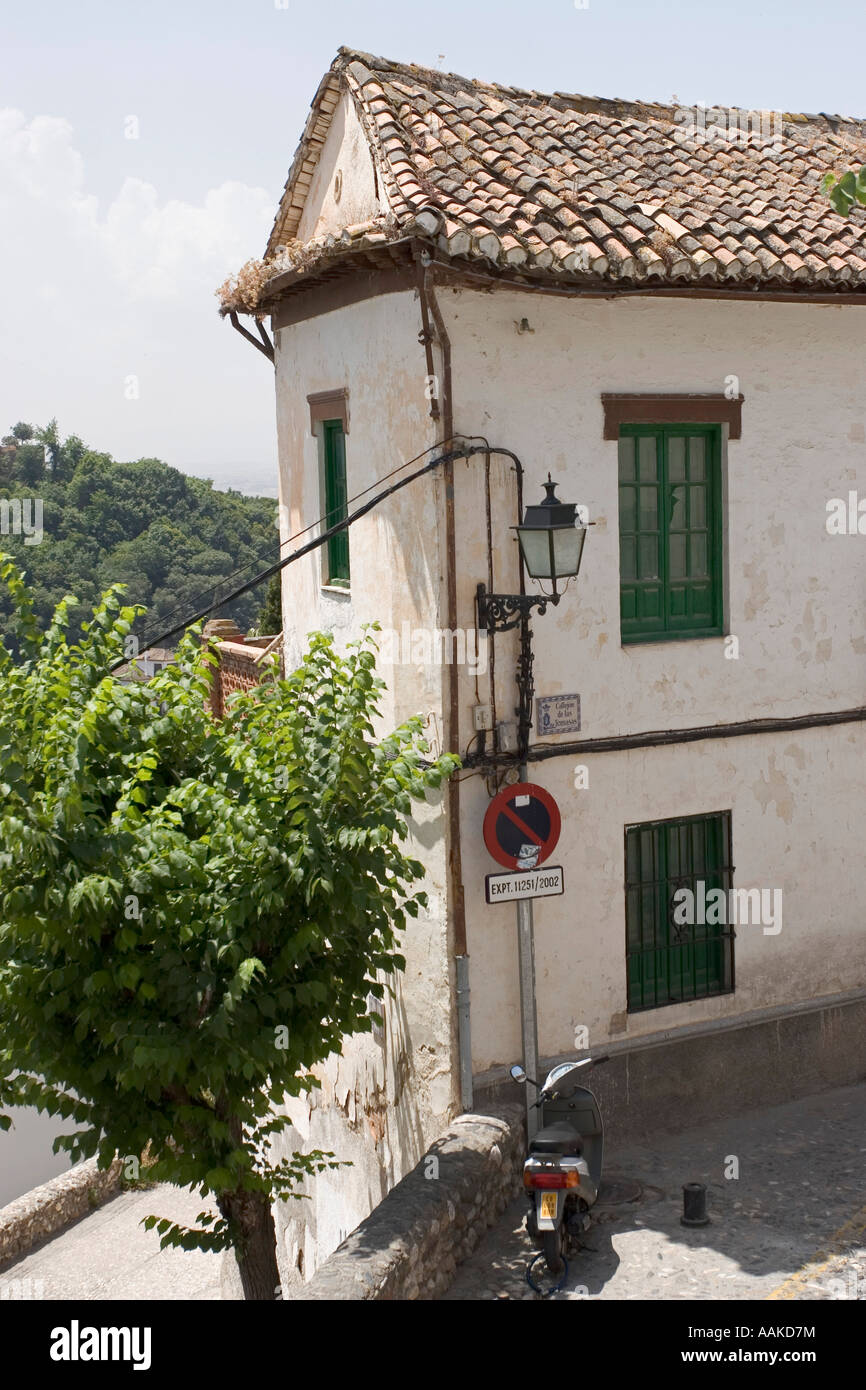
(521, 826)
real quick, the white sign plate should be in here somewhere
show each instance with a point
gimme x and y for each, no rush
(557, 714)
(534, 883)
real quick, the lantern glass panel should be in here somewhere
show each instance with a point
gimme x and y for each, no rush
(567, 550)
(535, 544)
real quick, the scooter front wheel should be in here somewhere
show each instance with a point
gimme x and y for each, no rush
(552, 1251)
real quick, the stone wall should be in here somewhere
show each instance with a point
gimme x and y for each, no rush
(47, 1209)
(409, 1247)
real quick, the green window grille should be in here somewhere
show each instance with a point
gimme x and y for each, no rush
(336, 501)
(670, 961)
(670, 532)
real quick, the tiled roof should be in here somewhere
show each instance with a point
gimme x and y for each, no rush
(587, 189)
(131, 673)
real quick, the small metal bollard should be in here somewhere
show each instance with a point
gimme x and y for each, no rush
(694, 1205)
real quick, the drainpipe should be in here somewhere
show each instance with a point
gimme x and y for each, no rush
(430, 308)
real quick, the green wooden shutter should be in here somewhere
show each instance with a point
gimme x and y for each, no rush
(336, 500)
(641, 538)
(668, 962)
(670, 529)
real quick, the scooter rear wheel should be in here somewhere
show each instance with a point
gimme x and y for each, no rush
(552, 1251)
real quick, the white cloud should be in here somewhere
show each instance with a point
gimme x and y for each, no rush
(153, 250)
(97, 288)
(38, 159)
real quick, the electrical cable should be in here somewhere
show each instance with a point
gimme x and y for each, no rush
(227, 579)
(312, 527)
(463, 452)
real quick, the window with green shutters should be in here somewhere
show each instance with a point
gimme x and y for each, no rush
(668, 960)
(336, 498)
(670, 532)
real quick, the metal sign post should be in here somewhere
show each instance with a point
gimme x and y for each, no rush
(528, 1015)
(521, 830)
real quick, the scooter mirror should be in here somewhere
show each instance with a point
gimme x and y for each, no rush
(518, 1073)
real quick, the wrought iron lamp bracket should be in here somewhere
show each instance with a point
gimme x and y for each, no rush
(502, 612)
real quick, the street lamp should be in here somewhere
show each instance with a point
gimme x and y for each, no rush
(552, 537)
(551, 540)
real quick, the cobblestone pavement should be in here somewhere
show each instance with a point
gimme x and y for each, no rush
(792, 1225)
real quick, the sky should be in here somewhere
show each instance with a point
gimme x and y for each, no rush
(144, 148)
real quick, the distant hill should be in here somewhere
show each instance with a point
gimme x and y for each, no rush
(174, 540)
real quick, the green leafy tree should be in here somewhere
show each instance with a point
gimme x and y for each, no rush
(175, 541)
(846, 189)
(270, 620)
(193, 912)
(30, 463)
(50, 437)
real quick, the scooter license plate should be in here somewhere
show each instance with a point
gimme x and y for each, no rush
(548, 1206)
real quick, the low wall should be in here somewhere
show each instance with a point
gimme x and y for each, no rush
(668, 1082)
(241, 659)
(47, 1209)
(410, 1246)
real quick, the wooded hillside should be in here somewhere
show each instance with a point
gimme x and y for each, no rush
(174, 540)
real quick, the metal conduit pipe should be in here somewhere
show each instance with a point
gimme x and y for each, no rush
(430, 308)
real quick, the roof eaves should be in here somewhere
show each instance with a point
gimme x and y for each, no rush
(306, 158)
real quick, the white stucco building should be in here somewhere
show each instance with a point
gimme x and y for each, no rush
(666, 316)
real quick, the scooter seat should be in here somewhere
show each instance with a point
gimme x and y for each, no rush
(557, 1139)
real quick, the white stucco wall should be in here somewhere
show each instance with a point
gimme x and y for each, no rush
(347, 153)
(795, 592)
(796, 816)
(795, 600)
(380, 1105)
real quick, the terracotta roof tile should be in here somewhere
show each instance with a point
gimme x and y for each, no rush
(606, 189)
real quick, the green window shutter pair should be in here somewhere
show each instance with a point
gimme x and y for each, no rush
(670, 961)
(336, 500)
(670, 532)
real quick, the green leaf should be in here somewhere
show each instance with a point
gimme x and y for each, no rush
(263, 912)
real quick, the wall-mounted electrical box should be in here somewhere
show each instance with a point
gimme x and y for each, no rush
(506, 736)
(482, 716)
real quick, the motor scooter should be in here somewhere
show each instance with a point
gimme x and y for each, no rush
(562, 1171)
